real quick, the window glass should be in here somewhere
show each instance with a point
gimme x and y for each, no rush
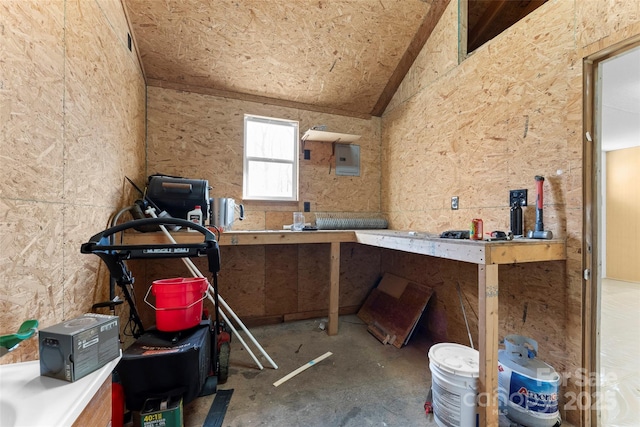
(270, 158)
(270, 140)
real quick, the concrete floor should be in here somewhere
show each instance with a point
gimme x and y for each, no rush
(364, 382)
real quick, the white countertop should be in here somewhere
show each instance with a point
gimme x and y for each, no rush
(28, 399)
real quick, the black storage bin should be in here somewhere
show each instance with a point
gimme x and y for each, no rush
(163, 364)
(178, 196)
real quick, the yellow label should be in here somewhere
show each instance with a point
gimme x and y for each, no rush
(152, 417)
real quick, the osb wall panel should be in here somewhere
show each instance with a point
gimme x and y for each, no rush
(281, 279)
(437, 57)
(489, 141)
(313, 277)
(114, 13)
(31, 95)
(201, 136)
(72, 117)
(104, 140)
(602, 23)
(273, 281)
(510, 111)
(359, 272)
(529, 98)
(242, 279)
(532, 303)
(104, 109)
(31, 269)
(86, 279)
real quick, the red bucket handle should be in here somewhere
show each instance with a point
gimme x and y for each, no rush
(173, 308)
(182, 280)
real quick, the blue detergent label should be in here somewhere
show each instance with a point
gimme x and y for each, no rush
(533, 395)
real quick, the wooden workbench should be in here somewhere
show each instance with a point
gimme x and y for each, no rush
(487, 255)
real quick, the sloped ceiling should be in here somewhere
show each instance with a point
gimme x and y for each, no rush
(340, 56)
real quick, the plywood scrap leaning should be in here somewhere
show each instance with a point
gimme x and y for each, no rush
(381, 334)
(393, 309)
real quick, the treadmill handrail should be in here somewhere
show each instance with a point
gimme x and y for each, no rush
(97, 241)
(112, 254)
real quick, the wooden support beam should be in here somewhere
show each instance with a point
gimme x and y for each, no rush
(488, 333)
(415, 47)
(315, 314)
(334, 291)
(254, 98)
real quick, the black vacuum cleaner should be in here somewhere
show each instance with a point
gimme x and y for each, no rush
(160, 364)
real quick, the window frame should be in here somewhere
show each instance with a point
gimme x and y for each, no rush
(294, 196)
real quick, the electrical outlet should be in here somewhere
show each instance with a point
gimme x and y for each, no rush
(307, 206)
(519, 197)
(454, 203)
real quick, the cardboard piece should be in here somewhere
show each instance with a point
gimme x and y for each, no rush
(393, 309)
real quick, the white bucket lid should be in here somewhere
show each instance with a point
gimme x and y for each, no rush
(456, 359)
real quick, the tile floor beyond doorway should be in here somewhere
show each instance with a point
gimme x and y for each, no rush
(363, 383)
(619, 349)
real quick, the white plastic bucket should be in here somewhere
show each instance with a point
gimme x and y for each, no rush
(454, 384)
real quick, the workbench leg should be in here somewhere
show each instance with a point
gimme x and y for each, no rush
(334, 291)
(488, 335)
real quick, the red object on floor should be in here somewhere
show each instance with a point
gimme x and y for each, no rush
(428, 409)
(117, 405)
(223, 337)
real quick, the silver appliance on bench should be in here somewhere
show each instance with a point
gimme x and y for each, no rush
(223, 212)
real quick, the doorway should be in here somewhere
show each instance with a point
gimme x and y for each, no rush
(612, 234)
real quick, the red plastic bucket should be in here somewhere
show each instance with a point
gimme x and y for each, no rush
(178, 302)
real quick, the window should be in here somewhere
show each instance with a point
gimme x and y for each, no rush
(270, 159)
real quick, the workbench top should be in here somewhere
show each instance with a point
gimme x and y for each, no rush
(419, 242)
(474, 251)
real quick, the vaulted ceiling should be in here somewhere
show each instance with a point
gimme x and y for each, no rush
(340, 56)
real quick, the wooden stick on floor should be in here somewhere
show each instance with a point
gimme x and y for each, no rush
(302, 368)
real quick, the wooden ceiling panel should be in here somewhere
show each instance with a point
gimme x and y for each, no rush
(488, 18)
(330, 54)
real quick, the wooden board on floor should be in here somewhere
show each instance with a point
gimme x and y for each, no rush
(393, 309)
